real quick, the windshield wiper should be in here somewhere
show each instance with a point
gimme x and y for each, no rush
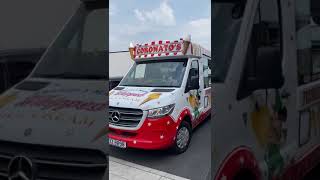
(132, 85)
(146, 85)
(68, 75)
(167, 86)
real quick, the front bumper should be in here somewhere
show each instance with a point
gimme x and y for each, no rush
(153, 134)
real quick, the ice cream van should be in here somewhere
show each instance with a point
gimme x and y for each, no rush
(165, 94)
(52, 124)
(267, 89)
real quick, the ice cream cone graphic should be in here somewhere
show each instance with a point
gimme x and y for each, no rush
(186, 43)
(193, 101)
(151, 97)
(131, 50)
(260, 122)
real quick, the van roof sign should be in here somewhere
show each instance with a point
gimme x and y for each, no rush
(165, 48)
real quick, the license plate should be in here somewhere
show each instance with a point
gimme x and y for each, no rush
(117, 143)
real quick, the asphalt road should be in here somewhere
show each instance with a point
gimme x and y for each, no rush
(193, 164)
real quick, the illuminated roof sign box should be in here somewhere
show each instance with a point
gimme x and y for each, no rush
(166, 48)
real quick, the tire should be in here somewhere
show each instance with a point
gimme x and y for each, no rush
(182, 142)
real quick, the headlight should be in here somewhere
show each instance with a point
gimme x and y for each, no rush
(160, 112)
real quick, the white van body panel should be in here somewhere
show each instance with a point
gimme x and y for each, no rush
(68, 113)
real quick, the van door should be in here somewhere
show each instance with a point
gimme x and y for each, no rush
(193, 91)
(206, 86)
(265, 95)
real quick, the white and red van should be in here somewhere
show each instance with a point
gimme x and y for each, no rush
(52, 123)
(267, 89)
(165, 94)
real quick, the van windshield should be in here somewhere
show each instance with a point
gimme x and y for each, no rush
(166, 73)
(80, 51)
(226, 21)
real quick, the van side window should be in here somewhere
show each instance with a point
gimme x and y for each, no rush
(193, 76)
(195, 68)
(308, 42)
(263, 67)
(194, 64)
(206, 73)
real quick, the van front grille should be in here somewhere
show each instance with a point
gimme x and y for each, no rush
(127, 117)
(55, 163)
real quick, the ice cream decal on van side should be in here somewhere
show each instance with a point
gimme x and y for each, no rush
(55, 102)
(267, 123)
(194, 103)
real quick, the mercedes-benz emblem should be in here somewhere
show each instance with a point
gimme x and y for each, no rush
(21, 168)
(115, 116)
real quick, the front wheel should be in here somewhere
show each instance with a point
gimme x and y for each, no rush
(183, 138)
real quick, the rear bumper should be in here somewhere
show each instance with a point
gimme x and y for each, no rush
(153, 134)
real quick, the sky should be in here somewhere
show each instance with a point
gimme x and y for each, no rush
(142, 21)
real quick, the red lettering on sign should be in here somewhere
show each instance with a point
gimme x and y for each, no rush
(166, 47)
(160, 49)
(57, 103)
(152, 48)
(126, 93)
(171, 46)
(155, 48)
(145, 50)
(178, 47)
